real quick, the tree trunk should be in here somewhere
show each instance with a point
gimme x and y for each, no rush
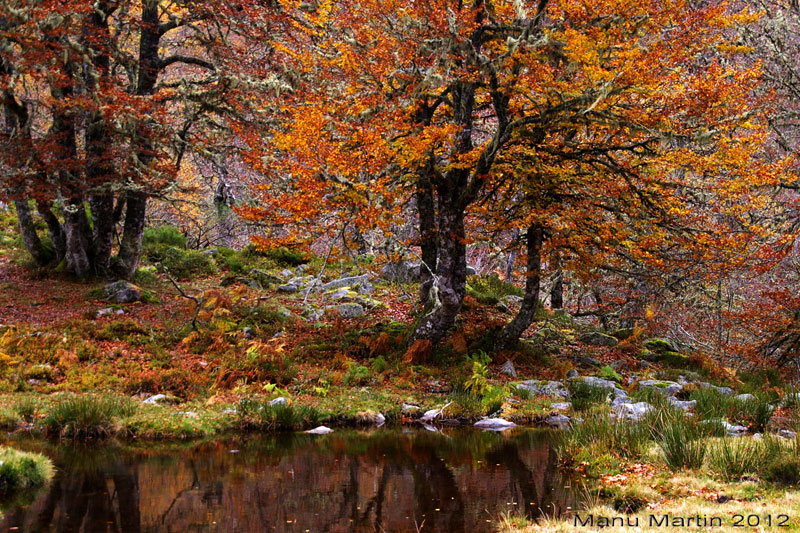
(511, 333)
(426, 209)
(78, 254)
(557, 290)
(102, 206)
(55, 229)
(512, 256)
(130, 249)
(451, 272)
(28, 231)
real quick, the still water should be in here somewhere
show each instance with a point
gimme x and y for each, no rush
(382, 480)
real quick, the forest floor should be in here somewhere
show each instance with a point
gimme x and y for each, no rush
(226, 349)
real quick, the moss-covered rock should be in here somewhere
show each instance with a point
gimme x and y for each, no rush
(659, 345)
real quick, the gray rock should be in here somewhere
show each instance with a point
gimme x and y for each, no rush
(495, 424)
(644, 364)
(433, 413)
(589, 361)
(409, 408)
(351, 281)
(605, 384)
(288, 288)
(402, 272)
(670, 388)
(682, 405)
(157, 398)
(265, 277)
(512, 300)
(633, 411)
(503, 308)
(561, 406)
(619, 400)
(595, 338)
(122, 292)
(350, 310)
(380, 419)
(745, 397)
(248, 333)
(286, 273)
(757, 435)
(283, 312)
(786, 433)
(549, 388)
(277, 401)
(471, 271)
(312, 314)
(508, 369)
(722, 390)
(104, 312)
(572, 374)
(734, 430)
(558, 421)
(321, 430)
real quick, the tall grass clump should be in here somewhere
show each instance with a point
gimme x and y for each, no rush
(682, 444)
(87, 416)
(603, 435)
(583, 396)
(22, 470)
(734, 457)
(259, 415)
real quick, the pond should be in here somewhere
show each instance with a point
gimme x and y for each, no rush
(397, 479)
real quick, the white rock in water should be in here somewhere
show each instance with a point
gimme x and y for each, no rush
(495, 424)
(409, 408)
(433, 413)
(380, 419)
(321, 430)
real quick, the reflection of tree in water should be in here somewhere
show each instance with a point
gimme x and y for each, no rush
(387, 480)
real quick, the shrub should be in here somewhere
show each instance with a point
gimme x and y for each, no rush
(185, 264)
(783, 469)
(22, 470)
(756, 412)
(356, 375)
(281, 256)
(169, 235)
(633, 498)
(87, 416)
(606, 372)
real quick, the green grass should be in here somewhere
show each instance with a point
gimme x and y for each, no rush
(87, 416)
(583, 396)
(682, 445)
(258, 415)
(22, 470)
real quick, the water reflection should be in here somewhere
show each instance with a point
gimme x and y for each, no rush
(386, 480)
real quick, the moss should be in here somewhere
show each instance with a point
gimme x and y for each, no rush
(22, 470)
(169, 235)
(659, 345)
(674, 359)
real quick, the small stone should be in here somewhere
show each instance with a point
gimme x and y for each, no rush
(682, 405)
(605, 384)
(633, 411)
(722, 498)
(248, 333)
(288, 288)
(286, 273)
(572, 374)
(321, 430)
(277, 401)
(508, 369)
(471, 271)
(155, 399)
(495, 424)
(105, 311)
(745, 397)
(561, 406)
(644, 364)
(786, 433)
(380, 419)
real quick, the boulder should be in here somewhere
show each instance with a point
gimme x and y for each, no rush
(350, 310)
(632, 411)
(288, 288)
(471, 271)
(512, 300)
(265, 278)
(786, 433)
(558, 421)
(286, 273)
(155, 399)
(670, 388)
(321, 430)
(495, 424)
(544, 388)
(605, 384)
(722, 390)
(401, 272)
(595, 338)
(508, 369)
(572, 374)
(660, 345)
(351, 281)
(682, 405)
(122, 292)
(561, 406)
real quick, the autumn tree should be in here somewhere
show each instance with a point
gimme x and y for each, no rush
(103, 102)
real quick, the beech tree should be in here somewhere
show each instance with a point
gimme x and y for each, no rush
(406, 98)
(102, 101)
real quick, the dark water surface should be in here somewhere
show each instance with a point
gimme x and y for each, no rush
(383, 480)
